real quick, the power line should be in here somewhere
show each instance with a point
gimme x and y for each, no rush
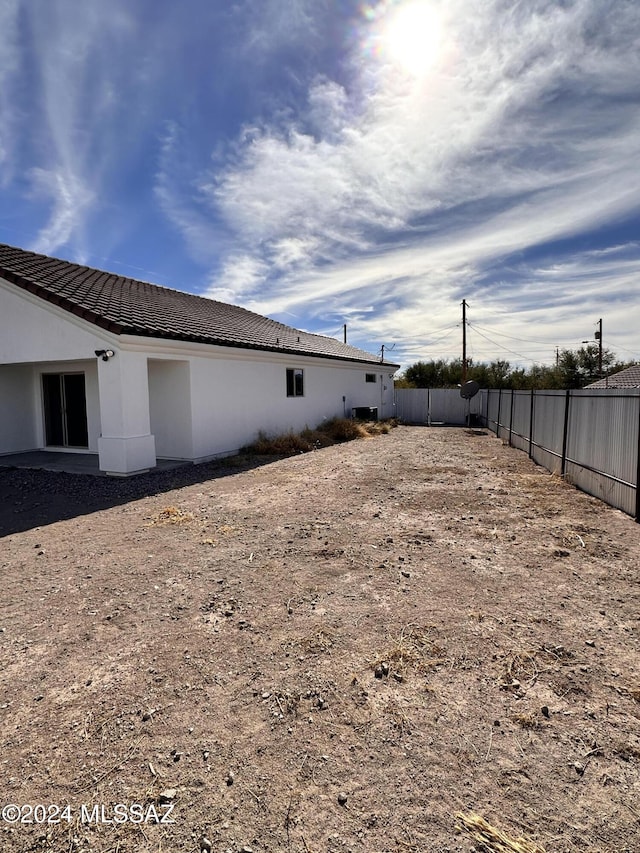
(506, 349)
(511, 337)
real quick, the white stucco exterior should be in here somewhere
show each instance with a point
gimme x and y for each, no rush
(162, 398)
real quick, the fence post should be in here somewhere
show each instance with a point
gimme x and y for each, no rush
(532, 398)
(498, 415)
(511, 419)
(565, 433)
(638, 469)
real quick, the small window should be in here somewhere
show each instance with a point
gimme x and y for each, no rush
(370, 377)
(295, 382)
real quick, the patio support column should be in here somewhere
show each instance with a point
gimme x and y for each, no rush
(126, 445)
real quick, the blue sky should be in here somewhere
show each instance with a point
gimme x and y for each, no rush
(326, 162)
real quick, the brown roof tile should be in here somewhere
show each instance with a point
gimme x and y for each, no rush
(627, 378)
(127, 306)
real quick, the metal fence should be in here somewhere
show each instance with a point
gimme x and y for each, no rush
(591, 437)
(435, 406)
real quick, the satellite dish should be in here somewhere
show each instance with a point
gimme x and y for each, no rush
(469, 390)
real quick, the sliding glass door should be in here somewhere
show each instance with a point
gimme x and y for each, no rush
(65, 410)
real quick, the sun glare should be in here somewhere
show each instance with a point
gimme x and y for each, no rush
(412, 36)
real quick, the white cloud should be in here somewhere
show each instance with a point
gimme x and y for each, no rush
(9, 65)
(521, 134)
(69, 127)
(70, 199)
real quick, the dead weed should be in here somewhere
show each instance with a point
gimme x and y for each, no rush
(523, 667)
(494, 840)
(415, 649)
(172, 515)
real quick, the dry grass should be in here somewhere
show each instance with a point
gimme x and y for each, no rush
(522, 667)
(333, 431)
(494, 840)
(172, 515)
(526, 720)
(415, 649)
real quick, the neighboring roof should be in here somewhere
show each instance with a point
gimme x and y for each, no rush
(127, 306)
(627, 378)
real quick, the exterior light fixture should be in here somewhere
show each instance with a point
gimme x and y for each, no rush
(105, 354)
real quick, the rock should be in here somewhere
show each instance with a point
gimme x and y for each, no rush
(342, 798)
(167, 795)
(205, 845)
(545, 711)
(591, 643)
(230, 778)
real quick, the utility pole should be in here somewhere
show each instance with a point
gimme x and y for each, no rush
(598, 337)
(557, 356)
(382, 354)
(344, 333)
(464, 341)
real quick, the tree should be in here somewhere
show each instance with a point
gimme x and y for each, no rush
(426, 374)
(574, 369)
(581, 367)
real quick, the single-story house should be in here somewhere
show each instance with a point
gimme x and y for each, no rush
(627, 378)
(94, 362)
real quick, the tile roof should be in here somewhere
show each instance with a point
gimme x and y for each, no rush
(127, 306)
(627, 378)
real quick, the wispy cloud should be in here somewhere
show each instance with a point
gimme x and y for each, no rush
(522, 134)
(67, 106)
(9, 65)
(308, 169)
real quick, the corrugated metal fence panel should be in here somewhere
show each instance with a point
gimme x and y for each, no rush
(435, 405)
(412, 405)
(548, 429)
(602, 445)
(504, 412)
(521, 423)
(447, 406)
(492, 409)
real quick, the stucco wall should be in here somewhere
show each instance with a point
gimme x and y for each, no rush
(17, 409)
(21, 404)
(234, 397)
(32, 330)
(170, 408)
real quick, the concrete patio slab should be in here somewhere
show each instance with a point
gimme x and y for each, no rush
(70, 463)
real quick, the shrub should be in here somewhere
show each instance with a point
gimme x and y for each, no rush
(333, 431)
(343, 429)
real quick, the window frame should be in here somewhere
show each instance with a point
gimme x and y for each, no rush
(295, 382)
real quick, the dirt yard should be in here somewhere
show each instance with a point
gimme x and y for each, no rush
(356, 649)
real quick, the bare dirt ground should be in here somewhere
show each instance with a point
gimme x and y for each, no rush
(339, 651)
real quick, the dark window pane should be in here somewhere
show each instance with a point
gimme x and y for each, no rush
(295, 382)
(76, 410)
(52, 394)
